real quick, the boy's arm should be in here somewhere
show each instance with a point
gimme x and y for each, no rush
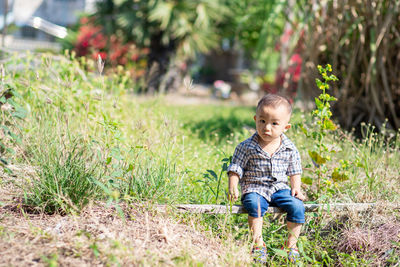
(233, 186)
(235, 170)
(295, 184)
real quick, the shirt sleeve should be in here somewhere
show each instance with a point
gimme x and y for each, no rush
(239, 160)
(294, 164)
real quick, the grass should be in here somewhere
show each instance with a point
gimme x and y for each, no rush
(90, 140)
(65, 179)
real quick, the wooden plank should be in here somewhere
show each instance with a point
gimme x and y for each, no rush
(238, 209)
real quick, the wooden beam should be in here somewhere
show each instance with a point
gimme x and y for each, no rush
(238, 209)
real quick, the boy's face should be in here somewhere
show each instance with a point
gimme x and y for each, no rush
(271, 122)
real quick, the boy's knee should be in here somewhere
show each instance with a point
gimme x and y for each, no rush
(295, 211)
(254, 205)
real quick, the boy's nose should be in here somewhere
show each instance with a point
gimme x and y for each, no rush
(268, 126)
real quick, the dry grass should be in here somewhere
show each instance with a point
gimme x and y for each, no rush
(375, 234)
(99, 236)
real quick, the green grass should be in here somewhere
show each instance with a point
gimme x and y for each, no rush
(90, 139)
(65, 178)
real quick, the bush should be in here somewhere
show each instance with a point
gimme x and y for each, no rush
(66, 178)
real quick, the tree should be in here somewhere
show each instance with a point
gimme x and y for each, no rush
(173, 30)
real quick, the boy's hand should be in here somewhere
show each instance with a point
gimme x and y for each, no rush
(296, 192)
(233, 186)
(233, 193)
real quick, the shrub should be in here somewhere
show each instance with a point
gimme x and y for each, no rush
(66, 178)
(91, 41)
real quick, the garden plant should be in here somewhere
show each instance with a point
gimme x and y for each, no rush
(92, 160)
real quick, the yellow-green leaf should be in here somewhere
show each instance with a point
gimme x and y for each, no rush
(328, 124)
(339, 177)
(307, 180)
(316, 157)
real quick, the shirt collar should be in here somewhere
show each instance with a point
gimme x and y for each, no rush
(285, 144)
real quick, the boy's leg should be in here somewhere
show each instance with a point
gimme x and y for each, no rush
(256, 206)
(255, 225)
(294, 233)
(295, 213)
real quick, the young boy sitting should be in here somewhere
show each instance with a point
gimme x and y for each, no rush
(262, 164)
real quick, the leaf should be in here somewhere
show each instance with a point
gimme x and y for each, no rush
(130, 167)
(318, 82)
(213, 174)
(280, 252)
(319, 104)
(102, 186)
(10, 150)
(317, 158)
(225, 160)
(15, 137)
(328, 124)
(304, 130)
(333, 78)
(307, 180)
(20, 113)
(205, 175)
(339, 177)
(3, 161)
(108, 160)
(162, 13)
(224, 167)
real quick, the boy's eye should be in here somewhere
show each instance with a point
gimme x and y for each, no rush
(275, 123)
(262, 121)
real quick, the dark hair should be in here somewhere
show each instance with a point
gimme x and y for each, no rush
(274, 100)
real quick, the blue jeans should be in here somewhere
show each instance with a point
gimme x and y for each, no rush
(281, 199)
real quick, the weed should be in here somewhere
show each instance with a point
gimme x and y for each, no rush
(51, 260)
(11, 112)
(323, 150)
(66, 174)
(136, 149)
(213, 181)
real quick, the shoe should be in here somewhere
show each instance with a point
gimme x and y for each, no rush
(259, 254)
(293, 255)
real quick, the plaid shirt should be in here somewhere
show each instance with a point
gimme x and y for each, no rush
(261, 173)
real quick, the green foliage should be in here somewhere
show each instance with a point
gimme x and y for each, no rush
(10, 114)
(66, 177)
(257, 25)
(212, 181)
(186, 26)
(323, 151)
(135, 149)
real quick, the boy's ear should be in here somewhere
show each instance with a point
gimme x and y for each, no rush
(287, 127)
(255, 118)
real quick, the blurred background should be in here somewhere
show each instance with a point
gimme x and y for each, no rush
(228, 49)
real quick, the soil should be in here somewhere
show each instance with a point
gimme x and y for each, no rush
(100, 236)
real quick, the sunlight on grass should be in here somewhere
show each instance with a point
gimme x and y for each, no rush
(81, 131)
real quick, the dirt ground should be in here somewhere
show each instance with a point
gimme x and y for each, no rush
(99, 236)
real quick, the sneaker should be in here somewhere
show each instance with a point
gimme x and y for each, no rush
(293, 255)
(259, 254)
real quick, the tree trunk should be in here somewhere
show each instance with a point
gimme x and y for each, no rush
(159, 62)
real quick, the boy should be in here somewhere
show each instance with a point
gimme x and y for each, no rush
(262, 164)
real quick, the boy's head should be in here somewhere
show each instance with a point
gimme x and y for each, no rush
(272, 117)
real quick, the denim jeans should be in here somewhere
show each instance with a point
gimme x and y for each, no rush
(281, 199)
